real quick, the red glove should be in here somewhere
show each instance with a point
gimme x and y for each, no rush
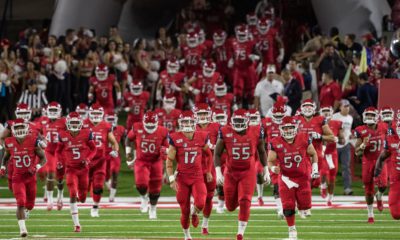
(2, 172)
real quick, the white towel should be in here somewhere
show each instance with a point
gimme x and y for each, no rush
(289, 183)
(329, 160)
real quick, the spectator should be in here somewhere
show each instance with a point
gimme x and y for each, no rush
(34, 98)
(367, 94)
(114, 35)
(330, 60)
(350, 46)
(292, 90)
(295, 72)
(344, 151)
(330, 92)
(266, 90)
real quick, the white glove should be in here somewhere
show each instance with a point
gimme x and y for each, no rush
(230, 63)
(281, 55)
(131, 163)
(314, 173)
(114, 154)
(159, 95)
(90, 97)
(42, 144)
(315, 135)
(336, 140)
(235, 107)
(254, 57)
(267, 178)
(175, 87)
(38, 166)
(274, 169)
(195, 91)
(259, 68)
(127, 109)
(220, 176)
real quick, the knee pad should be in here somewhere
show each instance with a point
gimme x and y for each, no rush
(153, 198)
(276, 191)
(382, 189)
(220, 191)
(288, 212)
(82, 197)
(260, 179)
(142, 189)
(98, 191)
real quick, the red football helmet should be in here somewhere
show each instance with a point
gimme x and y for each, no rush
(54, 110)
(96, 113)
(83, 110)
(74, 122)
(136, 87)
(219, 37)
(387, 114)
(220, 89)
(169, 102)
(172, 66)
(111, 118)
(288, 128)
(326, 111)
(19, 128)
(370, 116)
(263, 25)
(242, 33)
(202, 113)
(278, 112)
(240, 120)
(254, 117)
(187, 122)
(23, 111)
(251, 19)
(150, 122)
(192, 39)
(220, 116)
(101, 72)
(308, 108)
(209, 68)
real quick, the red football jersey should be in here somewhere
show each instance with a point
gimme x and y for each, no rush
(212, 130)
(206, 84)
(137, 104)
(50, 131)
(392, 144)
(148, 146)
(167, 81)
(335, 126)
(42, 120)
(314, 125)
(241, 52)
(76, 149)
(375, 144)
(189, 153)
(193, 57)
(224, 103)
(118, 131)
(266, 44)
(292, 158)
(100, 138)
(23, 154)
(168, 120)
(241, 149)
(271, 129)
(222, 54)
(103, 90)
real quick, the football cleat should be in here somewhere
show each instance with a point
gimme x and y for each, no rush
(329, 203)
(195, 220)
(379, 205)
(27, 212)
(60, 204)
(307, 213)
(220, 210)
(293, 234)
(204, 231)
(144, 205)
(323, 193)
(280, 215)
(77, 229)
(239, 237)
(371, 220)
(94, 212)
(49, 206)
(260, 201)
(152, 213)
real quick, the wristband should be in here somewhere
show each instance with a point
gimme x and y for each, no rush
(362, 146)
(128, 150)
(38, 166)
(119, 95)
(315, 167)
(171, 179)
(273, 169)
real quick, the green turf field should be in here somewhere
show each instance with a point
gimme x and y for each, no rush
(263, 224)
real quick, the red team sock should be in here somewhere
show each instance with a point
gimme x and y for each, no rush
(290, 220)
(96, 198)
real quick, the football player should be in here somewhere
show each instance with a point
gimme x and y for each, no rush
(241, 142)
(221, 54)
(78, 146)
(221, 99)
(330, 166)
(83, 110)
(369, 145)
(287, 156)
(101, 88)
(168, 115)
(187, 147)
(392, 153)
(113, 163)
(135, 103)
(102, 135)
(22, 150)
(192, 53)
(144, 146)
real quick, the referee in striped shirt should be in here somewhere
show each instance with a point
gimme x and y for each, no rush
(34, 98)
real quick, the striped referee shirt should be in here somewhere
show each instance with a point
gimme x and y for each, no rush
(34, 100)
